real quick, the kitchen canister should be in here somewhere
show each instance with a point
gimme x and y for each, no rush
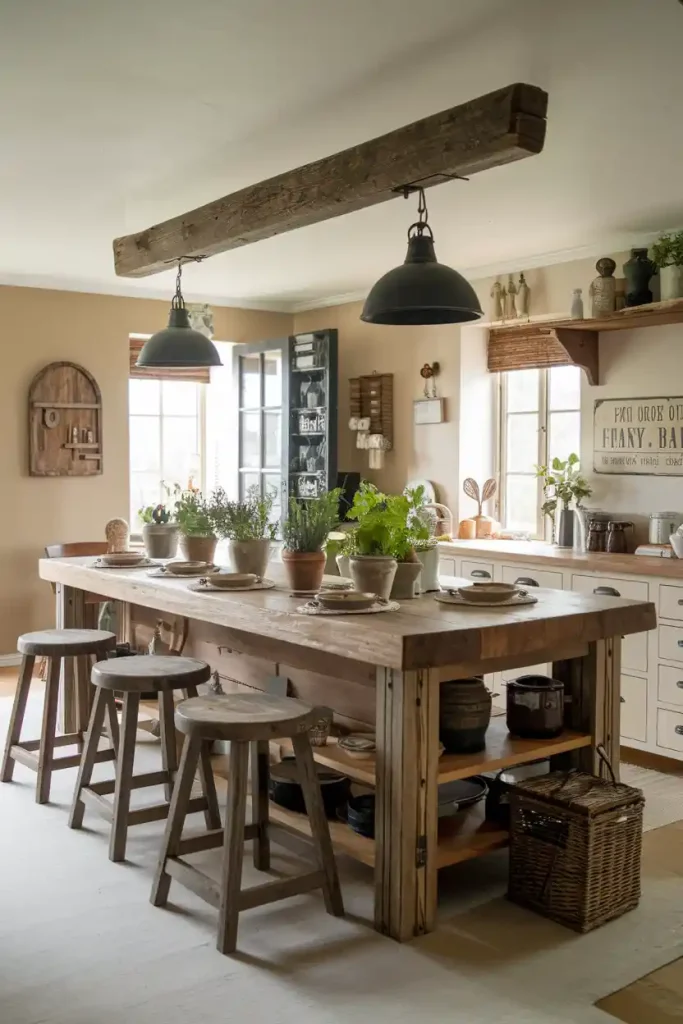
(662, 525)
(535, 707)
(464, 715)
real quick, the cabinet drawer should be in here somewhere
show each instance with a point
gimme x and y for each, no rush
(634, 647)
(671, 643)
(541, 577)
(670, 685)
(633, 708)
(446, 566)
(671, 603)
(670, 730)
(476, 570)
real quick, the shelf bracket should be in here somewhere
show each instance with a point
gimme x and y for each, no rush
(582, 349)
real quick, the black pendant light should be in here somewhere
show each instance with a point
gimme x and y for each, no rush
(178, 346)
(421, 291)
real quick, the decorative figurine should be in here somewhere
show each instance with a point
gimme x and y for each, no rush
(510, 299)
(638, 271)
(90, 437)
(603, 289)
(522, 297)
(577, 305)
(498, 296)
(117, 533)
(74, 435)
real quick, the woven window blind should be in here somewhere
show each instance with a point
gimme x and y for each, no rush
(196, 375)
(514, 350)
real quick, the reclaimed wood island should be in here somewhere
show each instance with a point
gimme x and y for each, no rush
(391, 665)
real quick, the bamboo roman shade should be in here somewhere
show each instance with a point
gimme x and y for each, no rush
(196, 375)
(515, 350)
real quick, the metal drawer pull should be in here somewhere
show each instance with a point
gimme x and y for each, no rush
(679, 684)
(680, 600)
(526, 581)
(680, 643)
(679, 730)
(480, 574)
(607, 592)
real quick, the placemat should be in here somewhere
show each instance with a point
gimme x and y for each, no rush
(207, 588)
(311, 608)
(457, 601)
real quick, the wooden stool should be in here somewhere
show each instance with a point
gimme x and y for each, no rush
(242, 719)
(54, 644)
(147, 677)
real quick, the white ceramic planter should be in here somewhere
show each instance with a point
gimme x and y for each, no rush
(429, 577)
(373, 574)
(671, 283)
(406, 581)
(250, 555)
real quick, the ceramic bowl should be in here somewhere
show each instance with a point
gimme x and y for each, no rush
(488, 593)
(357, 745)
(123, 558)
(346, 599)
(676, 541)
(228, 580)
(187, 568)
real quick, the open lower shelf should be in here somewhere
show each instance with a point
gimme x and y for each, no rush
(502, 751)
(464, 836)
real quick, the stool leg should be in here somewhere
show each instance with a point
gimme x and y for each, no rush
(124, 777)
(18, 712)
(233, 847)
(169, 754)
(112, 729)
(49, 729)
(320, 829)
(176, 818)
(85, 769)
(212, 814)
(259, 804)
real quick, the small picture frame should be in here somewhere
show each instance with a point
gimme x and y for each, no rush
(428, 410)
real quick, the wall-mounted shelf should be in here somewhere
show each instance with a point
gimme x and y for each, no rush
(517, 346)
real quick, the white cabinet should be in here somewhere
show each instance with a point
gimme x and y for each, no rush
(540, 577)
(634, 647)
(670, 685)
(633, 708)
(479, 572)
(670, 730)
(670, 602)
(671, 643)
(447, 566)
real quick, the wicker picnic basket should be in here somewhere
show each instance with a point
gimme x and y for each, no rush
(575, 843)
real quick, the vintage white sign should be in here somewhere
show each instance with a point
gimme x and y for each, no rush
(639, 435)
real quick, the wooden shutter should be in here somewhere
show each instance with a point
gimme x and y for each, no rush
(196, 375)
(537, 346)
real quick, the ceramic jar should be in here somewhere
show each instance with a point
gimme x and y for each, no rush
(638, 270)
(405, 580)
(160, 539)
(464, 715)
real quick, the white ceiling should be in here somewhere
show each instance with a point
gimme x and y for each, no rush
(114, 116)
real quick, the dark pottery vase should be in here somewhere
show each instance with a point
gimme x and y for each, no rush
(535, 707)
(565, 528)
(464, 715)
(638, 270)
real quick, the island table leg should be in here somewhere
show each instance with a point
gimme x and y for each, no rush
(406, 809)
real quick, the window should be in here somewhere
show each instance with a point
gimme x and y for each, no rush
(540, 419)
(166, 430)
(260, 386)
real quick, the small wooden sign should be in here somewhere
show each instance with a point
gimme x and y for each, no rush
(638, 436)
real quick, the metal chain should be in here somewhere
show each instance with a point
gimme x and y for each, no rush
(178, 301)
(422, 213)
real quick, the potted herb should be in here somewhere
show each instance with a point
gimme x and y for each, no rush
(304, 534)
(249, 530)
(667, 255)
(562, 484)
(383, 542)
(195, 516)
(159, 532)
(423, 527)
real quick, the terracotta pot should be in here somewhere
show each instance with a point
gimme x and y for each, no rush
(198, 549)
(405, 581)
(305, 569)
(373, 574)
(161, 539)
(250, 555)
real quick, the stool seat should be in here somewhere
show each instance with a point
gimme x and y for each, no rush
(244, 716)
(65, 643)
(144, 673)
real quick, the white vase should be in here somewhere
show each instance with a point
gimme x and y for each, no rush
(671, 283)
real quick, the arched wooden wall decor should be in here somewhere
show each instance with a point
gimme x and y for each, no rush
(65, 422)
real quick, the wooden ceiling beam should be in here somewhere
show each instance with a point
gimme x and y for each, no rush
(495, 129)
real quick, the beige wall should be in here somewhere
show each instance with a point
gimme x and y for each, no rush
(40, 327)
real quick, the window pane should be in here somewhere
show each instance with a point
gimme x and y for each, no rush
(180, 450)
(143, 397)
(272, 369)
(251, 439)
(522, 390)
(521, 503)
(145, 489)
(247, 481)
(564, 387)
(522, 453)
(271, 423)
(250, 382)
(272, 484)
(564, 434)
(145, 455)
(180, 398)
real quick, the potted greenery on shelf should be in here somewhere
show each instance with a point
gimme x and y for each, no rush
(667, 254)
(195, 515)
(562, 484)
(250, 532)
(159, 532)
(304, 534)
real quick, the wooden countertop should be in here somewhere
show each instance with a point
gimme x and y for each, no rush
(548, 555)
(422, 634)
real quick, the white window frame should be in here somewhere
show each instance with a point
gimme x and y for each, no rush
(543, 525)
